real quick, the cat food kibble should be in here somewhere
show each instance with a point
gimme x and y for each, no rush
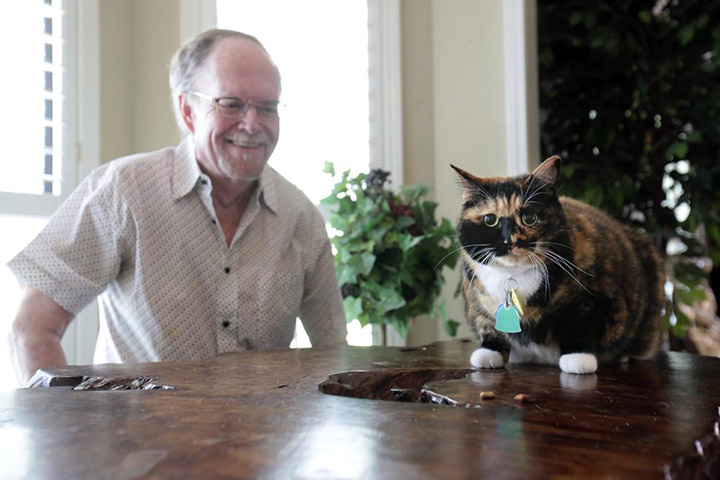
(487, 395)
(521, 397)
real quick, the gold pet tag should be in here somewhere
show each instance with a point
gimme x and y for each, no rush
(516, 301)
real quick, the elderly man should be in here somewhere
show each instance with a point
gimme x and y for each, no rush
(195, 250)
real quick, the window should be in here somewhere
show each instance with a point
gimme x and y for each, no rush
(324, 66)
(38, 167)
(33, 44)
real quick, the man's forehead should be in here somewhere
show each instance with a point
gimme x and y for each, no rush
(235, 61)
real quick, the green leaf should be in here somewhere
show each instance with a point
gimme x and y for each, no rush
(449, 324)
(353, 308)
(686, 34)
(694, 136)
(401, 327)
(407, 241)
(678, 150)
(576, 18)
(329, 168)
(403, 222)
(451, 327)
(347, 274)
(362, 263)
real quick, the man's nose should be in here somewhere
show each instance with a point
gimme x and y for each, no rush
(250, 122)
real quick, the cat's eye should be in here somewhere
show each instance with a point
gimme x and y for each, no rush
(491, 220)
(529, 219)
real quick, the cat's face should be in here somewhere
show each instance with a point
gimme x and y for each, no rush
(508, 221)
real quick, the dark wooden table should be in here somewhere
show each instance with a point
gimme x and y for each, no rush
(263, 415)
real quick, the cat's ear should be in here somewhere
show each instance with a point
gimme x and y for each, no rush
(470, 184)
(548, 172)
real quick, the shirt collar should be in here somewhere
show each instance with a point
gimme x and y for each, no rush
(186, 173)
(186, 170)
(268, 187)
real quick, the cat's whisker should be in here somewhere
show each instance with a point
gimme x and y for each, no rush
(568, 262)
(488, 255)
(540, 270)
(484, 255)
(446, 256)
(557, 244)
(566, 266)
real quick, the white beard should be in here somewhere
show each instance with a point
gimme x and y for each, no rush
(231, 171)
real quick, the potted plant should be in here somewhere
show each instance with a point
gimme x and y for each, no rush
(390, 251)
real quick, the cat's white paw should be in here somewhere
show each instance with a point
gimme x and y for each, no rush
(486, 358)
(578, 363)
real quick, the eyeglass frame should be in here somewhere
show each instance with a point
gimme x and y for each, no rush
(260, 107)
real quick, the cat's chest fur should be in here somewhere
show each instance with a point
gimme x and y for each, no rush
(526, 281)
(495, 280)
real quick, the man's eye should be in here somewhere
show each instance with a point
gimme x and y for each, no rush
(234, 105)
(491, 220)
(269, 110)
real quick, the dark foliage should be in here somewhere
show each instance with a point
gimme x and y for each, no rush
(630, 98)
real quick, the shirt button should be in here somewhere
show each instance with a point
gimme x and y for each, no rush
(227, 269)
(226, 324)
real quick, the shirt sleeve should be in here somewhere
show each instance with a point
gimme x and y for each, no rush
(78, 253)
(322, 312)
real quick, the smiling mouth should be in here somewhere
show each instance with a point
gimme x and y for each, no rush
(241, 144)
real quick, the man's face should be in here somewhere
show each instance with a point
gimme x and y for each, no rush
(237, 147)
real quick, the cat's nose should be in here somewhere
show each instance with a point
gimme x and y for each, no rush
(508, 243)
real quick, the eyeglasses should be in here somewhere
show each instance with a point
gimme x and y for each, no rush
(237, 107)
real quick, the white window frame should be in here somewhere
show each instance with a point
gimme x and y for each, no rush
(80, 147)
(84, 62)
(521, 81)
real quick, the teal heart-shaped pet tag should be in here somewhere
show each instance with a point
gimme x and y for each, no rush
(507, 319)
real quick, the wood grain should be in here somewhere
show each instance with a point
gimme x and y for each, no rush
(262, 414)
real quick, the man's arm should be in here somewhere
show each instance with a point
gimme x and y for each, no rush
(322, 312)
(36, 333)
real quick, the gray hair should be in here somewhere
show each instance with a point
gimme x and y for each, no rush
(186, 62)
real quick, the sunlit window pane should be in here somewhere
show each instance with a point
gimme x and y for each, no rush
(324, 67)
(31, 96)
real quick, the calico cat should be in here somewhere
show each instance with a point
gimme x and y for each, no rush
(549, 279)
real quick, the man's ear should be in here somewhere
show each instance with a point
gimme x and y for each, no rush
(186, 112)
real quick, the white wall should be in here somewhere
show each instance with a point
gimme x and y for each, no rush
(454, 109)
(137, 38)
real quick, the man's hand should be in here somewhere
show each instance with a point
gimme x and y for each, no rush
(36, 333)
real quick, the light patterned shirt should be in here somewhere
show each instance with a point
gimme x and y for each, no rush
(142, 233)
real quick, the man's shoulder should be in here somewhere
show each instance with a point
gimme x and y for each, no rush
(138, 162)
(138, 168)
(286, 191)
